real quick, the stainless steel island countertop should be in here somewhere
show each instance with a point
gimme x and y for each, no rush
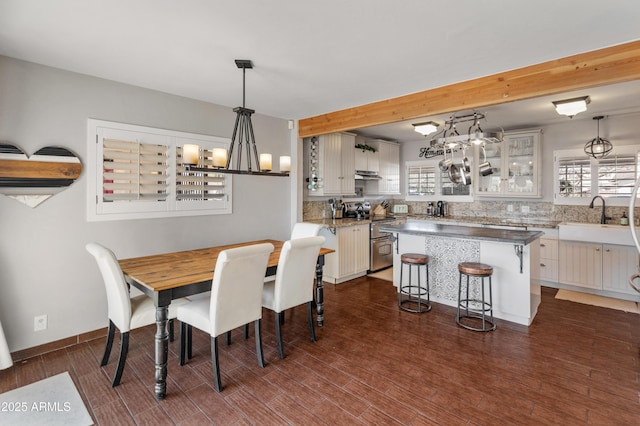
(519, 237)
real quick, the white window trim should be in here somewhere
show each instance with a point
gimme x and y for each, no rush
(579, 153)
(438, 195)
(100, 211)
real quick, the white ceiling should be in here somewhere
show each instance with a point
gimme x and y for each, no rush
(310, 57)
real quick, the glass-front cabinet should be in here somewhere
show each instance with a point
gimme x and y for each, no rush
(515, 164)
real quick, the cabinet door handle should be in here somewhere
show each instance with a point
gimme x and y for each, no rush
(543, 265)
(607, 250)
(542, 245)
(597, 249)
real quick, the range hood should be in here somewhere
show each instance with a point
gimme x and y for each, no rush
(367, 175)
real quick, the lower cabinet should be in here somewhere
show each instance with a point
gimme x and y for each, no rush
(597, 266)
(548, 260)
(618, 264)
(351, 258)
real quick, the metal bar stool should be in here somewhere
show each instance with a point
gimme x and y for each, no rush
(410, 295)
(475, 308)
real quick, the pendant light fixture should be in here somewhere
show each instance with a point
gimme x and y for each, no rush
(242, 134)
(598, 147)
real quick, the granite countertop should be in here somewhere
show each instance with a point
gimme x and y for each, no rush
(339, 223)
(523, 222)
(514, 221)
(520, 237)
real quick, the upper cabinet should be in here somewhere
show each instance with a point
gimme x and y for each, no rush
(331, 164)
(389, 168)
(516, 166)
(367, 157)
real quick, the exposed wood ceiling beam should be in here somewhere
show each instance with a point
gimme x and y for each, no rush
(610, 65)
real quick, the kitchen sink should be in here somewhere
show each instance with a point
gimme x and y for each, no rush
(596, 233)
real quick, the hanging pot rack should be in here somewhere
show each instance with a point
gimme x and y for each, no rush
(449, 137)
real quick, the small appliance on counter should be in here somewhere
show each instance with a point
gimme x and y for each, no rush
(357, 210)
(441, 209)
(400, 209)
(337, 208)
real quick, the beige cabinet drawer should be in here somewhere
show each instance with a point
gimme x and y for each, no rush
(549, 248)
(549, 269)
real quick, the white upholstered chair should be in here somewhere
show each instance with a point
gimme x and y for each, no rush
(5, 355)
(304, 229)
(124, 312)
(294, 282)
(300, 230)
(236, 300)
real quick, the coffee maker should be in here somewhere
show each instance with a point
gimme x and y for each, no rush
(441, 209)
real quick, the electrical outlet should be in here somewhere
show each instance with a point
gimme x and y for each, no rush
(524, 209)
(510, 208)
(40, 323)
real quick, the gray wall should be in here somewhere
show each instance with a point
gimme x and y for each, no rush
(44, 268)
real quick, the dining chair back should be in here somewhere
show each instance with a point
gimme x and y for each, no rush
(118, 298)
(294, 282)
(236, 300)
(123, 312)
(305, 229)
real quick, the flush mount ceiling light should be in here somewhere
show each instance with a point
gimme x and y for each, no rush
(573, 106)
(425, 128)
(242, 134)
(598, 147)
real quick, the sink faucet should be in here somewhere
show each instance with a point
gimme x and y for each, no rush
(603, 218)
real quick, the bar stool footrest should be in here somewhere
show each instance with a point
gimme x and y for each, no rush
(474, 316)
(421, 306)
(482, 306)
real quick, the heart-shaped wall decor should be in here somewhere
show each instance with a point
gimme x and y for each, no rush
(32, 180)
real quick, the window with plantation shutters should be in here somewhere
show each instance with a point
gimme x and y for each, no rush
(574, 176)
(134, 171)
(617, 175)
(137, 172)
(425, 181)
(421, 180)
(578, 177)
(199, 189)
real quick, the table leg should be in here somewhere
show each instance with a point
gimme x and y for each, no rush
(162, 350)
(319, 292)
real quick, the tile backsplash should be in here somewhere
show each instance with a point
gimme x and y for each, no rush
(495, 209)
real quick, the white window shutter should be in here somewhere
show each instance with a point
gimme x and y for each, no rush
(134, 171)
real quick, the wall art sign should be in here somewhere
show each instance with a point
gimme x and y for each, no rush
(33, 179)
(433, 151)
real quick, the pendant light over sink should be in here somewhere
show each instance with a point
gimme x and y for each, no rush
(242, 134)
(598, 147)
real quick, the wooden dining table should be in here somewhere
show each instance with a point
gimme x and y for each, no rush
(168, 276)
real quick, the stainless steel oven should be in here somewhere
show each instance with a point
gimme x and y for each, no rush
(381, 250)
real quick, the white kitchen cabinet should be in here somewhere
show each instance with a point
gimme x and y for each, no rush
(618, 264)
(389, 168)
(598, 266)
(516, 166)
(332, 159)
(351, 259)
(548, 261)
(580, 264)
(367, 160)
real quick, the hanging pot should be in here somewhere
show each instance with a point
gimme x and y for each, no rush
(455, 174)
(466, 167)
(445, 162)
(485, 168)
(454, 171)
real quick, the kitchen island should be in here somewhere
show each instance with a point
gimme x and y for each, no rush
(515, 295)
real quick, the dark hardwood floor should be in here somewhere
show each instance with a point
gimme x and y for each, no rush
(373, 364)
